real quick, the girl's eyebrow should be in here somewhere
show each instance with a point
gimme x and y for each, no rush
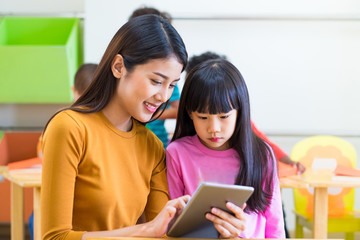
(163, 76)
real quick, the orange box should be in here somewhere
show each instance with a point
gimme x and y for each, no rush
(28, 163)
(16, 146)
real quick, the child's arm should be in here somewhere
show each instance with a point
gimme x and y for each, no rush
(279, 153)
(171, 111)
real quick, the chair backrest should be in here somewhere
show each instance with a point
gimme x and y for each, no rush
(324, 150)
(16, 146)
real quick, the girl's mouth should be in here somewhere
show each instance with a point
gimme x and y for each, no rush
(215, 139)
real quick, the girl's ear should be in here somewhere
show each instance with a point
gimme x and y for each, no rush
(117, 66)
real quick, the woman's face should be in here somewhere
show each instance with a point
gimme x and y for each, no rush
(215, 130)
(141, 92)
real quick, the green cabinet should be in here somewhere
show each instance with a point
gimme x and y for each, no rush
(38, 59)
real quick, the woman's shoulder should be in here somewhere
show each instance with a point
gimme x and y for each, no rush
(63, 118)
(72, 119)
(68, 115)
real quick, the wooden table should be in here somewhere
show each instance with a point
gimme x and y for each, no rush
(140, 238)
(20, 179)
(320, 196)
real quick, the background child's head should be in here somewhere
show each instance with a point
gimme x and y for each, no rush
(149, 10)
(197, 59)
(214, 86)
(83, 78)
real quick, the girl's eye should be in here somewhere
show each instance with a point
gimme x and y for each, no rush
(203, 118)
(224, 116)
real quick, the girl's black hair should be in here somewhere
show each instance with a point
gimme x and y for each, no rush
(140, 40)
(216, 86)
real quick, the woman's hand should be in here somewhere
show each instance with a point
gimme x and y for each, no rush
(155, 228)
(227, 225)
(158, 226)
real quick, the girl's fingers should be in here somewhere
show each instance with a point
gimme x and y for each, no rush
(227, 224)
(243, 206)
(224, 233)
(239, 213)
(232, 225)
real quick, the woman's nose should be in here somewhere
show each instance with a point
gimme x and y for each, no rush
(163, 95)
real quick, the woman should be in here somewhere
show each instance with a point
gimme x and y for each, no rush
(101, 167)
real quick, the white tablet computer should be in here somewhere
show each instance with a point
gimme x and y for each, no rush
(191, 222)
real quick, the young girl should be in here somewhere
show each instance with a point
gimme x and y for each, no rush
(213, 141)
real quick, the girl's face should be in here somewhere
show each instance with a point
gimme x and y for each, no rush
(141, 92)
(215, 130)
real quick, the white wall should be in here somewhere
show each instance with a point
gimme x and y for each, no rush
(41, 7)
(299, 58)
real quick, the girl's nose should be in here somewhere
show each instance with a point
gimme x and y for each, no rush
(214, 126)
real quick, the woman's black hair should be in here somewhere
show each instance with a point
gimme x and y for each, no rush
(216, 86)
(140, 40)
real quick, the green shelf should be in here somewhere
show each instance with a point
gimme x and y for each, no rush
(38, 59)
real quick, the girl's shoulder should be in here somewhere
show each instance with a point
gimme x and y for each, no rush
(183, 142)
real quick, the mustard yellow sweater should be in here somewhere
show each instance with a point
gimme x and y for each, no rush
(96, 177)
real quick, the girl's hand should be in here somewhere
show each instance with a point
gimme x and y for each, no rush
(227, 225)
(158, 226)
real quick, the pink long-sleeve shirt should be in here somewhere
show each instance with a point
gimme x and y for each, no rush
(189, 163)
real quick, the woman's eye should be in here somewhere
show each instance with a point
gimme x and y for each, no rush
(156, 82)
(224, 116)
(172, 85)
(203, 118)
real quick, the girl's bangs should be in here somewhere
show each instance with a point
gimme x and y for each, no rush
(212, 95)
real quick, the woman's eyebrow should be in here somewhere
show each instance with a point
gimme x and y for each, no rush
(163, 76)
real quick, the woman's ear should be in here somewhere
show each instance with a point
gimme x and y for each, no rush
(117, 66)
